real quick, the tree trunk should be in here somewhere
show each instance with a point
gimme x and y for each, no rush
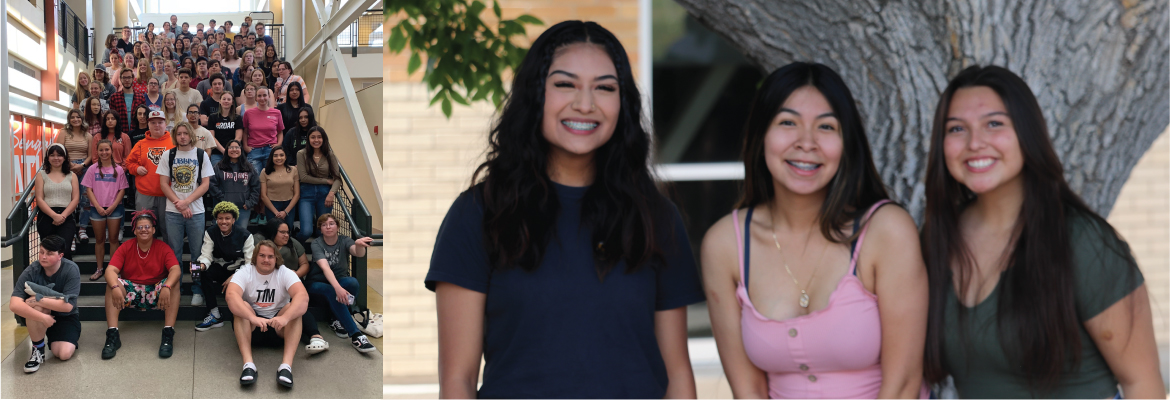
(1097, 67)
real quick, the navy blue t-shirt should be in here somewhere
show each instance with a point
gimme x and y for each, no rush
(559, 331)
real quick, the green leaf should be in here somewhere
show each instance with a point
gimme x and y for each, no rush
(458, 98)
(528, 19)
(438, 96)
(397, 39)
(496, 9)
(447, 107)
(414, 63)
(475, 9)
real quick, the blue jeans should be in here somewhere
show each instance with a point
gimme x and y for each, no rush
(258, 157)
(310, 206)
(280, 205)
(242, 222)
(191, 228)
(215, 158)
(340, 310)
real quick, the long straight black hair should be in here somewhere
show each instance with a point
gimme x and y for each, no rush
(856, 185)
(1036, 310)
(622, 207)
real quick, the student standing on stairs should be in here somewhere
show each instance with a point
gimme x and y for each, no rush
(143, 274)
(222, 253)
(184, 176)
(143, 164)
(105, 184)
(51, 320)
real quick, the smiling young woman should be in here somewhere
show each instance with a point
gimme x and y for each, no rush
(1031, 292)
(563, 266)
(819, 291)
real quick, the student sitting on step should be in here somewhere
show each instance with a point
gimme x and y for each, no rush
(267, 302)
(50, 317)
(293, 253)
(143, 274)
(330, 277)
(224, 250)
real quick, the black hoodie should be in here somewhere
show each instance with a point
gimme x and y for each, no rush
(237, 184)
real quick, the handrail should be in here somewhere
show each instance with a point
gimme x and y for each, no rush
(9, 241)
(23, 232)
(23, 196)
(357, 200)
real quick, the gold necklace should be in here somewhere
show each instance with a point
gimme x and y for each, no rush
(803, 292)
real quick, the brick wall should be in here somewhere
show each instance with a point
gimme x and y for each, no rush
(429, 161)
(1142, 216)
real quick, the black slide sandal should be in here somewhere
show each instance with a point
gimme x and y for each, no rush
(248, 372)
(284, 373)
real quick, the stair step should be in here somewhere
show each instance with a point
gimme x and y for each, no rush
(93, 308)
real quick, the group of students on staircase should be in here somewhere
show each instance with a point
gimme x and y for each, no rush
(157, 144)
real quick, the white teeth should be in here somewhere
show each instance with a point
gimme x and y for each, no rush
(803, 165)
(980, 163)
(580, 126)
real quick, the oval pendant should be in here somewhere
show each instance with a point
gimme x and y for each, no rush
(804, 300)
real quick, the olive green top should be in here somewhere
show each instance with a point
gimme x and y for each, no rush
(982, 369)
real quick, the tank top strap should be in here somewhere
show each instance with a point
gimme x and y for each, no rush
(745, 256)
(861, 238)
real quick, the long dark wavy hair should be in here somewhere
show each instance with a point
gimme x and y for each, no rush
(622, 207)
(226, 162)
(326, 153)
(856, 185)
(1036, 314)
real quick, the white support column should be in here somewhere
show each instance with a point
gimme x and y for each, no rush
(7, 154)
(121, 13)
(319, 80)
(103, 24)
(294, 26)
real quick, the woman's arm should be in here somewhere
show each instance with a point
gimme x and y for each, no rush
(670, 328)
(461, 316)
(899, 281)
(296, 192)
(75, 196)
(1124, 333)
(264, 195)
(720, 267)
(303, 266)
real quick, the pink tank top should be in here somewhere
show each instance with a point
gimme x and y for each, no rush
(834, 352)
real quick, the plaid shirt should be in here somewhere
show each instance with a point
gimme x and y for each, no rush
(118, 106)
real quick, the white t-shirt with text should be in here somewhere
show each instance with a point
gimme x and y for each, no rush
(267, 294)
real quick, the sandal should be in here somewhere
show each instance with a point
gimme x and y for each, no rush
(250, 374)
(282, 375)
(316, 345)
(97, 274)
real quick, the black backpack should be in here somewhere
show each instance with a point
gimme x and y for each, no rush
(198, 155)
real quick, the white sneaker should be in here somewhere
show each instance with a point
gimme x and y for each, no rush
(81, 234)
(196, 299)
(120, 232)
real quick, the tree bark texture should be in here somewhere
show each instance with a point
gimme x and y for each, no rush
(1099, 69)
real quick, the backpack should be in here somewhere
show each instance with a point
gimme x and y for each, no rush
(198, 155)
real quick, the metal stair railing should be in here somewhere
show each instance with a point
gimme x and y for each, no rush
(356, 222)
(20, 227)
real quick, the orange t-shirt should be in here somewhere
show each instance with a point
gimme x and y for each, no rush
(147, 153)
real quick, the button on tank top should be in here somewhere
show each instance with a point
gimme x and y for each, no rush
(834, 352)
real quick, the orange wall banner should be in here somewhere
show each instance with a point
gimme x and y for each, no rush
(30, 137)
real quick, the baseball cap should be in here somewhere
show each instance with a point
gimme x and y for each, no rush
(156, 114)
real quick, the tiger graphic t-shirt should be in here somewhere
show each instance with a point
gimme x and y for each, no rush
(267, 294)
(183, 179)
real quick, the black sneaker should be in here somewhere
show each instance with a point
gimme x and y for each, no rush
(168, 343)
(338, 329)
(113, 343)
(361, 344)
(35, 360)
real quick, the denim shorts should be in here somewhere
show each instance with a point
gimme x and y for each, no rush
(118, 213)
